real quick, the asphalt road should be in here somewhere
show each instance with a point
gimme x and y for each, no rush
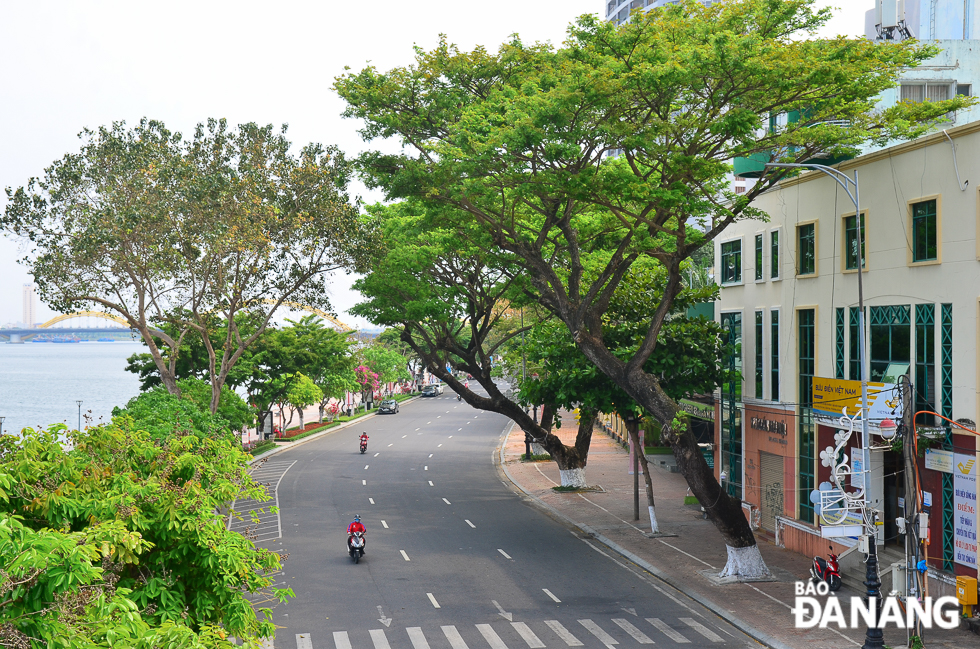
(456, 558)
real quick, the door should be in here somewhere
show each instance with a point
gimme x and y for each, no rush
(771, 467)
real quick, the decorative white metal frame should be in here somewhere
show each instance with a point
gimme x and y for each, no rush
(837, 504)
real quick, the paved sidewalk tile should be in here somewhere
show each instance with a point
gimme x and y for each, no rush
(697, 545)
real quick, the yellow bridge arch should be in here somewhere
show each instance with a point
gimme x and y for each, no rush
(340, 326)
(84, 314)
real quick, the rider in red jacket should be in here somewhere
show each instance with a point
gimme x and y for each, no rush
(356, 526)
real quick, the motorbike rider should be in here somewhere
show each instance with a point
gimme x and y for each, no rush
(356, 526)
(364, 438)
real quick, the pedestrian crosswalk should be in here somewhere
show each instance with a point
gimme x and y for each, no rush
(546, 634)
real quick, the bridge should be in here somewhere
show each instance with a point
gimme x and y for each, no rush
(49, 327)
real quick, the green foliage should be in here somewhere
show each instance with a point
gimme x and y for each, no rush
(163, 415)
(388, 364)
(116, 541)
(303, 392)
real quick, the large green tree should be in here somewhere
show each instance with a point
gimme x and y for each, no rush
(519, 142)
(192, 233)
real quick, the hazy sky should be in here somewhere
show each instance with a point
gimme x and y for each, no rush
(68, 65)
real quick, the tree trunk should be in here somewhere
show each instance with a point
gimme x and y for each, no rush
(322, 407)
(571, 460)
(633, 428)
(302, 427)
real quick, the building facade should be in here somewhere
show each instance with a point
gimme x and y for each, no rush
(789, 298)
(28, 308)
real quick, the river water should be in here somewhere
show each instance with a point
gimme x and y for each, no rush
(40, 382)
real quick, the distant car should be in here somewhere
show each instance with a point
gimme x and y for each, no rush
(388, 405)
(431, 391)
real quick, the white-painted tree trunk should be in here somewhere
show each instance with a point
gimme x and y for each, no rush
(745, 563)
(573, 478)
(537, 449)
(654, 528)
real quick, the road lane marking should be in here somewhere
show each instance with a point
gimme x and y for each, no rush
(405, 555)
(363, 482)
(379, 639)
(563, 633)
(404, 436)
(533, 641)
(366, 466)
(426, 467)
(491, 636)
(430, 483)
(303, 641)
(666, 630)
(430, 454)
(390, 444)
(637, 635)
(595, 630)
(433, 600)
(377, 454)
(446, 501)
(455, 640)
(439, 446)
(438, 416)
(417, 638)
(450, 437)
(384, 525)
(416, 627)
(341, 640)
(428, 422)
(470, 524)
(702, 629)
(504, 553)
(371, 500)
(551, 595)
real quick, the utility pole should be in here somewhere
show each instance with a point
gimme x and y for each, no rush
(911, 498)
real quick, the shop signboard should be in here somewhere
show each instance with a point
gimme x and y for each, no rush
(939, 460)
(832, 396)
(965, 509)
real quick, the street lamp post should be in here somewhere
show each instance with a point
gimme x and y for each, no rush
(873, 639)
(79, 402)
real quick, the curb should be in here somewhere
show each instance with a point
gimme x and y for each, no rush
(323, 433)
(748, 629)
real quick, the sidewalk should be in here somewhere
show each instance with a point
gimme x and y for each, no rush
(760, 609)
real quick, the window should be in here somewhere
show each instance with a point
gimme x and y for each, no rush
(758, 354)
(731, 396)
(807, 430)
(774, 254)
(925, 362)
(964, 89)
(758, 257)
(891, 338)
(806, 249)
(731, 262)
(807, 367)
(851, 242)
(636, 4)
(611, 7)
(774, 355)
(919, 92)
(624, 13)
(839, 344)
(854, 341)
(925, 230)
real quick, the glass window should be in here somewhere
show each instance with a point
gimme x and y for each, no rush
(924, 231)
(774, 254)
(807, 340)
(854, 343)
(731, 262)
(964, 89)
(758, 354)
(925, 362)
(891, 338)
(806, 253)
(807, 432)
(758, 257)
(850, 243)
(774, 356)
(731, 396)
(624, 13)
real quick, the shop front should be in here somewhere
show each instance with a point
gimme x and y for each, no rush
(770, 463)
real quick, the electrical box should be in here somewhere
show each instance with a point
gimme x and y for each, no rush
(923, 525)
(966, 590)
(890, 13)
(863, 544)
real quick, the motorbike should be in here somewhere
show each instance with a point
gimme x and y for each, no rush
(355, 546)
(363, 446)
(459, 397)
(827, 570)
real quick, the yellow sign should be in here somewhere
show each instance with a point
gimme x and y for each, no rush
(831, 396)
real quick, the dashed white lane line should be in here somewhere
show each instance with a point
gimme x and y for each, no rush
(425, 468)
(341, 640)
(563, 633)
(430, 483)
(391, 444)
(446, 501)
(417, 638)
(366, 466)
(417, 429)
(405, 555)
(533, 641)
(491, 636)
(377, 454)
(470, 524)
(467, 423)
(667, 631)
(551, 595)
(636, 634)
(428, 422)
(384, 524)
(371, 500)
(404, 436)
(597, 631)
(506, 556)
(438, 445)
(438, 416)
(450, 437)
(363, 482)
(433, 600)
(702, 629)
(379, 639)
(430, 454)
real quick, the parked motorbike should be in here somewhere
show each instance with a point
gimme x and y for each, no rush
(827, 570)
(355, 546)
(363, 446)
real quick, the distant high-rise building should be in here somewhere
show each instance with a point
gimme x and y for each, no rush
(29, 314)
(619, 10)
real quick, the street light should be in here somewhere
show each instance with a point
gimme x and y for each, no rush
(874, 638)
(79, 402)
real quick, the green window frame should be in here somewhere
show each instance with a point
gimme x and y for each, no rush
(850, 242)
(806, 249)
(839, 344)
(854, 342)
(774, 254)
(758, 354)
(731, 262)
(758, 258)
(774, 355)
(925, 228)
(890, 337)
(731, 428)
(925, 362)
(807, 433)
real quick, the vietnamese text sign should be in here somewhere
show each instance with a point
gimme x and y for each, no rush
(939, 460)
(831, 396)
(965, 509)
